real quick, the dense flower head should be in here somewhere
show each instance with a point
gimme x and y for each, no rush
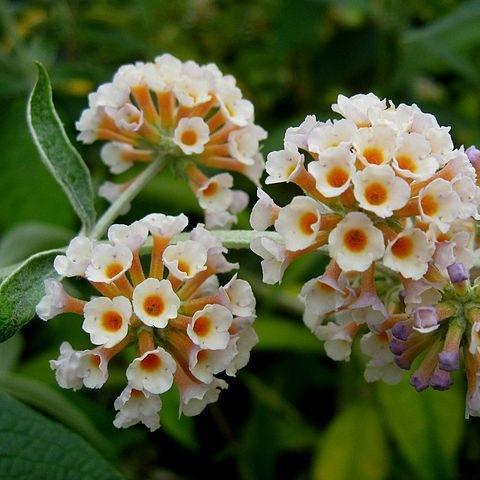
(185, 326)
(384, 193)
(191, 114)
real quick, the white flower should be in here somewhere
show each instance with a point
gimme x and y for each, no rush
(357, 108)
(153, 371)
(194, 400)
(191, 135)
(111, 191)
(379, 190)
(132, 236)
(283, 165)
(236, 109)
(331, 135)
(241, 298)
(412, 157)
(137, 406)
(254, 172)
(275, 260)
(298, 136)
(439, 204)
(375, 145)
(215, 194)
(155, 302)
(333, 170)
(243, 144)
(192, 90)
(107, 320)
(209, 327)
(204, 364)
(54, 300)
(185, 259)
(165, 225)
(264, 212)
(338, 340)
(299, 222)
(128, 117)
(469, 194)
(245, 341)
(115, 156)
(109, 262)
(409, 253)
(355, 243)
(76, 258)
(420, 293)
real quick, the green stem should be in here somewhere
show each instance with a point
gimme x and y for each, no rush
(131, 192)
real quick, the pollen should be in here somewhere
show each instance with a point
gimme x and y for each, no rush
(151, 362)
(376, 193)
(403, 247)
(429, 205)
(355, 240)
(154, 305)
(405, 162)
(211, 190)
(202, 326)
(189, 137)
(112, 321)
(337, 177)
(307, 220)
(373, 155)
(113, 269)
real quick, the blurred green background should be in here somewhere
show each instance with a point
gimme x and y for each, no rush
(292, 413)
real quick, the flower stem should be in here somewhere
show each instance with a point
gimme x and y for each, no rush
(131, 192)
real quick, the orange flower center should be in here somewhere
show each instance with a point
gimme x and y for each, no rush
(307, 220)
(376, 193)
(112, 321)
(113, 269)
(355, 240)
(151, 362)
(154, 305)
(211, 189)
(95, 360)
(184, 267)
(373, 155)
(189, 137)
(429, 205)
(337, 177)
(405, 162)
(403, 247)
(202, 326)
(136, 393)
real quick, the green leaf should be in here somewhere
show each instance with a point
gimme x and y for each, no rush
(36, 448)
(10, 352)
(426, 426)
(45, 398)
(56, 151)
(22, 290)
(31, 237)
(354, 446)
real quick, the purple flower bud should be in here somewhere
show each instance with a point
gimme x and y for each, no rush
(425, 317)
(404, 362)
(441, 380)
(402, 330)
(457, 272)
(448, 361)
(419, 382)
(397, 347)
(473, 154)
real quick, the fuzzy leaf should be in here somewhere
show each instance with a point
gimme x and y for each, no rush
(36, 448)
(22, 290)
(56, 151)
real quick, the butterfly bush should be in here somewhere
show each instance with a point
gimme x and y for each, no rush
(384, 192)
(174, 323)
(190, 114)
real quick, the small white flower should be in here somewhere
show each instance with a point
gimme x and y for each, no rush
(76, 258)
(111, 191)
(108, 263)
(185, 259)
(128, 117)
(299, 222)
(469, 194)
(409, 253)
(115, 156)
(132, 236)
(331, 135)
(255, 171)
(155, 302)
(245, 341)
(375, 145)
(107, 320)
(338, 340)
(193, 400)
(204, 364)
(165, 225)
(191, 135)
(333, 170)
(238, 110)
(357, 108)
(355, 243)
(241, 297)
(298, 136)
(215, 195)
(420, 293)
(192, 90)
(275, 260)
(379, 190)
(283, 165)
(264, 212)
(243, 144)
(137, 406)
(209, 327)
(54, 300)
(153, 371)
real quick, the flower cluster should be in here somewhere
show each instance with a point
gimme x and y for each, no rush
(190, 114)
(186, 328)
(391, 200)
